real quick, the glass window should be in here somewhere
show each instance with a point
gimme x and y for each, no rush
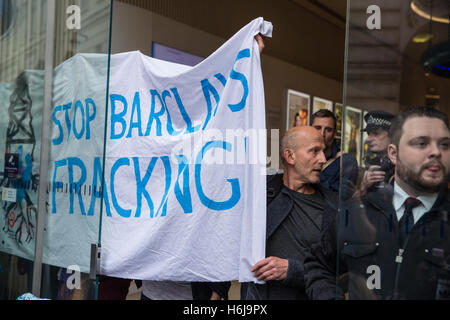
(397, 59)
(27, 107)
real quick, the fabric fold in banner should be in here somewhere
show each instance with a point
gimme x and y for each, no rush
(184, 187)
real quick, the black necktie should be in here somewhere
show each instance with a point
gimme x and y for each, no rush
(407, 221)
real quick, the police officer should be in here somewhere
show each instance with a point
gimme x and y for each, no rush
(379, 167)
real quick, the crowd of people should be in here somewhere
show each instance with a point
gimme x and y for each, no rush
(390, 241)
(330, 236)
(335, 234)
(387, 236)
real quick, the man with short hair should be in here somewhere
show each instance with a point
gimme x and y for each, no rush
(294, 217)
(379, 167)
(393, 242)
(325, 122)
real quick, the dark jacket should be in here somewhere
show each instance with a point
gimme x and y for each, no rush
(279, 205)
(365, 238)
(330, 176)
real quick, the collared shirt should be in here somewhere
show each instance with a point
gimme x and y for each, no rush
(399, 199)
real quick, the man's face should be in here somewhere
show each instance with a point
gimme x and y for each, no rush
(326, 129)
(378, 140)
(423, 156)
(309, 159)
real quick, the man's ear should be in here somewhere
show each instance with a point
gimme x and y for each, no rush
(289, 156)
(392, 153)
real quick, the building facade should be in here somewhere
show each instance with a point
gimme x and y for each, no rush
(347, 56)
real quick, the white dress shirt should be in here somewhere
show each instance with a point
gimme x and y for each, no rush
(399, 199)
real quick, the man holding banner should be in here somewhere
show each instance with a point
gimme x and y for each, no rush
(178, 290)
(295, 203)
(178, 185)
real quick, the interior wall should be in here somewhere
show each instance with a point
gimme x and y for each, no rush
(306, 34)
(135, 29)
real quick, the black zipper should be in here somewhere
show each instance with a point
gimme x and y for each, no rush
(400, 255)
(399, 260)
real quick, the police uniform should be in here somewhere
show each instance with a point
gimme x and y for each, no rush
(378, 119)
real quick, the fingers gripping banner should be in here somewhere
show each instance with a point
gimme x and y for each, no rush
(184, 183)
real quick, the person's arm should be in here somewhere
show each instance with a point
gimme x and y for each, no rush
(371, 176)
(295, 274)
(289, 271)
(320, 263)
(270, 268)
(260, 41)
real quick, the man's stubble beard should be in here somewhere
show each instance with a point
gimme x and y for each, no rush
(415, 181)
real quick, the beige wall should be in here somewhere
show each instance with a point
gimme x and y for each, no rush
(135, 29)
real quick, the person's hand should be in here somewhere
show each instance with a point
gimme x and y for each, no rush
(260, 41)
(271, 268)
(215, 296)
(372, 176)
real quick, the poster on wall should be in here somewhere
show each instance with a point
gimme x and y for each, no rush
(365, 146)
(297, 109)
(319, 103)
(338, 114)
(352, 133)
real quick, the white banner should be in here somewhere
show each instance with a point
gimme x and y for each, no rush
(184, 192)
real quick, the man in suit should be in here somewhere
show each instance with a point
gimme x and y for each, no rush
(393, 242)
(294, 217)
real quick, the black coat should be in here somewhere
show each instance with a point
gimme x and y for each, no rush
(364, 236)
(279, 205)
(330, 177)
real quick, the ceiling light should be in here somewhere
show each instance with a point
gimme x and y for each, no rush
(422, 11)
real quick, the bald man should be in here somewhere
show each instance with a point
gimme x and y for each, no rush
(295, 204)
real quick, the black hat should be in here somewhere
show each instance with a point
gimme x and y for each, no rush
(378, 119)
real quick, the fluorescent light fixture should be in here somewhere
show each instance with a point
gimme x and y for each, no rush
(426, 15)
